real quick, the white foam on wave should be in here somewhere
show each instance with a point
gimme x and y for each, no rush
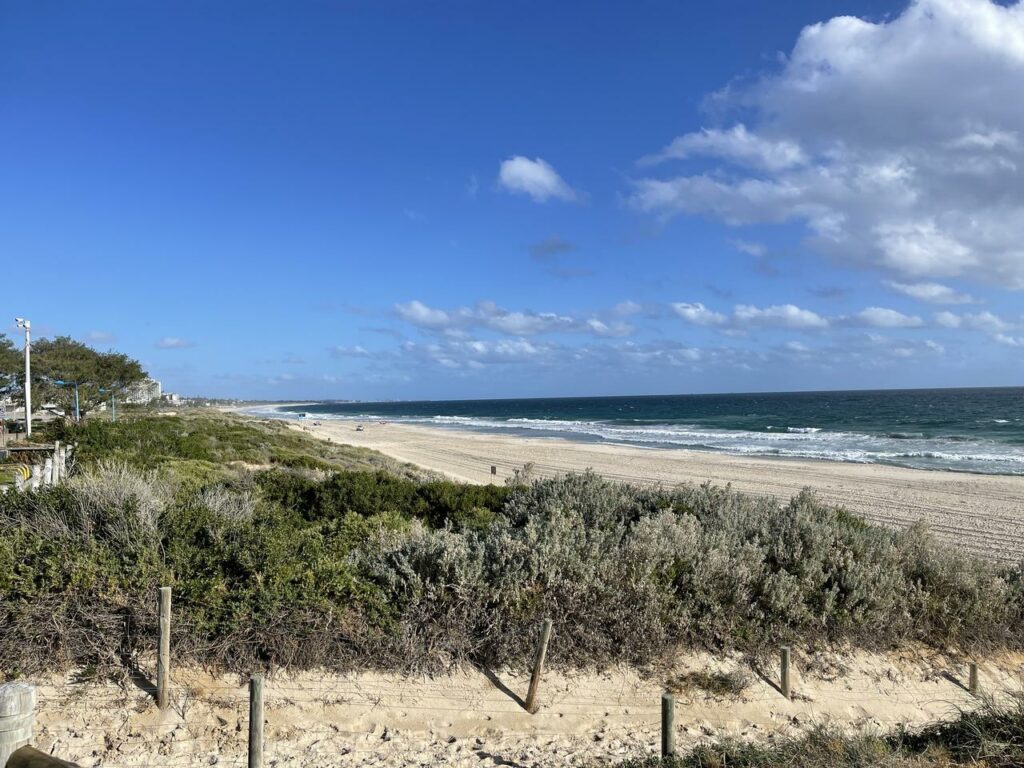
(903, 449)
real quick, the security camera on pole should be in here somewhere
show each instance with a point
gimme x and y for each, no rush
(27, 326)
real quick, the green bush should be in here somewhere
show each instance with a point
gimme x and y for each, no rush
(364, 568)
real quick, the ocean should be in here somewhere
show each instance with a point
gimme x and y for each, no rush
(966, 430)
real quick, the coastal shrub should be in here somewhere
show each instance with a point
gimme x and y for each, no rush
(343, 569)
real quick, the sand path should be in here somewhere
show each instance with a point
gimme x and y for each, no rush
(474, 719)
(983, 513)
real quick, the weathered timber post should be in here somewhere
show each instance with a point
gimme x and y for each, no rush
(163, 654)
(17, 713)
(56, 477)
(494, 470)
(37, 477)
(48, 471)
(256, 721)
(972, 678)
(668, 725)
(784, 677)
(538, 666)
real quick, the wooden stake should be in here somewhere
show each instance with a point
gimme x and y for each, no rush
(784, 677)
(17, 713)
(668, 725)
(972, 678)
(163, 654)
(538, 667)
(494, 470)
(256, 721)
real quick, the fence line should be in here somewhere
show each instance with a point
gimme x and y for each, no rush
(254, 737)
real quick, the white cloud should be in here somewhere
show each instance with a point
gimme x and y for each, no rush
(986, 321)
(698, 314)
(881, 317)
(418, 313)
(173, 342)
(627, 308)
(100, 337)
(487, 314)
(1010, 341)
(535, 178)
(897, 144)
(736, 144)
(934, 293)
(977, 321)
(779, 316)
(751, 249)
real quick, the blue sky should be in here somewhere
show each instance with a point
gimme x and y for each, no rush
(455, 199)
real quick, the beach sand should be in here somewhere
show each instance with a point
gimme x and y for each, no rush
(472, 718)
(981, 513)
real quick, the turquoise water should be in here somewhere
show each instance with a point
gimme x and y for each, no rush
(970, 430)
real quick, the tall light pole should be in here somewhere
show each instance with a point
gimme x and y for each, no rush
(23, 323)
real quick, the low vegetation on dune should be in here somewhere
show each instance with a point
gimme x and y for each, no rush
(991, 737)
(205, 445)
(318, 565)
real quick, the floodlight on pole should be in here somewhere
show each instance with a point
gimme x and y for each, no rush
(27, 326)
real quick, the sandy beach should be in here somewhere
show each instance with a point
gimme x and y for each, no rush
(982, 513)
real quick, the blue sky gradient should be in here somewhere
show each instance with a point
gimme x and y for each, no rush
(444, 200)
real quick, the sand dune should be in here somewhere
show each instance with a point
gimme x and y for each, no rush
(983, 513)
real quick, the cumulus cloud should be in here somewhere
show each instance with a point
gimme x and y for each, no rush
(897, 144)
(535, 178)
(779, 316)
(881, 317)
(698, 314)
(934, 293)
(173, 342)
(986, 322)
(736, 144)
(487, 314)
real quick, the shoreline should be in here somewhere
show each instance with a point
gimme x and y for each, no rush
(980, 512)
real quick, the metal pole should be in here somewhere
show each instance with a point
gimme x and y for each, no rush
(28, 381)
(78, 415)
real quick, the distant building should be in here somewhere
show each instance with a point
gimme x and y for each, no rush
(143, 392)
(172, 398)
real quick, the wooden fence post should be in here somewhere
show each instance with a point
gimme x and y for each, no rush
(668, 725)
(17, 713)
(163, 654)
(784, 677)
(538, 667)
(494, 470)
(256, 721)
(48, 471)
(972, 678)
(57, 463)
